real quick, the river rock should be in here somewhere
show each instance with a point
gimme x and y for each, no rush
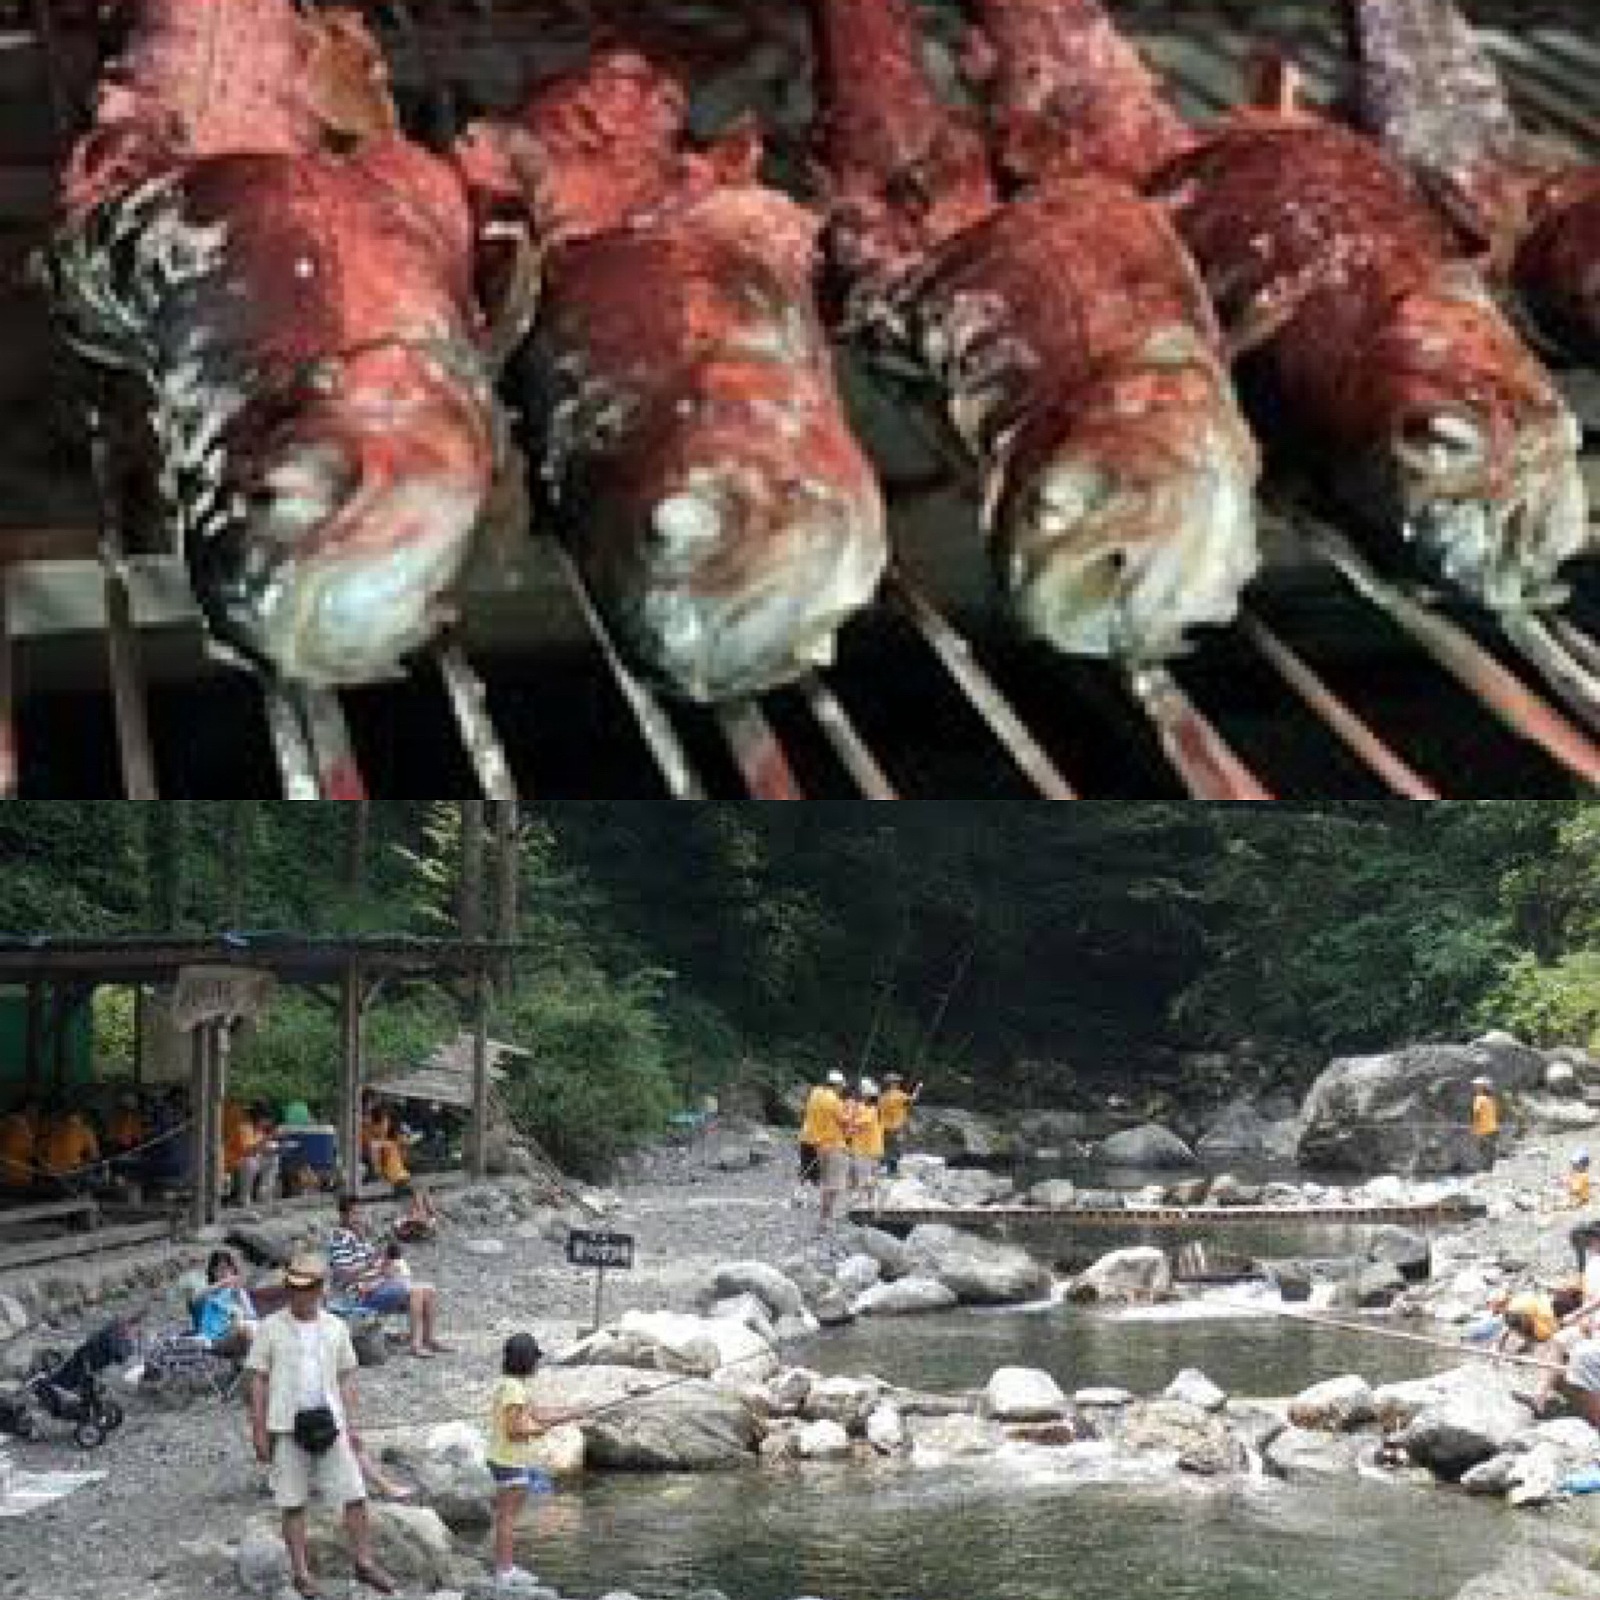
(955, 1131)
(1458, 1432)
(1240, 1129)
(1370, 1286)
(886, 1429)
(1149, 1145)
(1292, 1280)
(1398, 1405)
(450, 1467)
(262, 1561)
(671, 1341)
(778, 1293)
(1335, 1405)
(751, 1312)
(1053, 1192)
(1561, 1077)
(892, 1255)
(1194, 1388)
(1191, 1192)
(1202, 1442)
(1141, 1272)
(910, 1194)
(1298, 1454)
(787, 1392)
(1227, 1190)
(904, 1297)
(691, 1427)
(847, 1401)
(822, 1441)
(1530, 1573)
(856, 1274)
(1023, 1394)
(1406, 1111)
(1403, 1249)
(411, 1542)
(978, 1270)
(935, 1440)
(1103, 1398)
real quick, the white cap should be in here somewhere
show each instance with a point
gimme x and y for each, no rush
(836, 1077)
(868, 1086)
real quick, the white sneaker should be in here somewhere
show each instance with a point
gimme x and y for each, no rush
(514, 1578)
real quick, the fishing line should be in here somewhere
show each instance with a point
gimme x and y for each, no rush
(1315, 1320)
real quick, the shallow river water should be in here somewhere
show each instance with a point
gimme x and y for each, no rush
(1029, 1526)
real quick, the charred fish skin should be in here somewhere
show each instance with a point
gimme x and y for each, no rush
(1068, 335)
(680, 400)
(1387, 357)
(1433, 97)
(303, 322)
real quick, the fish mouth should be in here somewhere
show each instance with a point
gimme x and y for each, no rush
(1496, 524)
(736, 581)
(1100, 556)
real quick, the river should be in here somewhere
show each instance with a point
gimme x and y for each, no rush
(1032, 1524)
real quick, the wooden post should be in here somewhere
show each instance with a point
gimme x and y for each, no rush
(350, 1078)
(480, 1071)
(203, 1156)
(469, 881)
(508, 863)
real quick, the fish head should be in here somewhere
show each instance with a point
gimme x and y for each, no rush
(737, 547)
(1127, 517)
(348, 513)
(1475, 458)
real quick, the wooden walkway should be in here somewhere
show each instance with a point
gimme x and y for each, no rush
(1175, 1217)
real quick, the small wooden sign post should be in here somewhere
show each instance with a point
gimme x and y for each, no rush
(588, 1248)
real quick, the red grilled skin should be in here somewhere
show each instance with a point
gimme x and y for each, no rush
(679, 390)
(293, 280)
(1430, 93)
(1068, 93)
(1069, 335)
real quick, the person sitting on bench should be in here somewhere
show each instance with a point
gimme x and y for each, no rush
(357, 1273)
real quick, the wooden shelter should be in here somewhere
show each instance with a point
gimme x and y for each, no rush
(217, 980)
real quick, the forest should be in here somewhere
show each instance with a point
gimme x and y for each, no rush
(1014, 954)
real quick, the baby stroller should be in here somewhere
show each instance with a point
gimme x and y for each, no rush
(69, 1388)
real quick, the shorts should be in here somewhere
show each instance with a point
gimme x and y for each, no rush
(834, 1168)
(810, 1163)
(534, 1479)
(335, 1473)
(863, 1171)
(1583, 1366)
(387, 1297)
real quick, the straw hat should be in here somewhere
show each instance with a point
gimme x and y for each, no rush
(306, 1270)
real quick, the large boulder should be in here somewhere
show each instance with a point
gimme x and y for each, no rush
(1053, 1192)
(670, 1341)
(778, 1293)
(1334, 1405)
(411, 1542)
(1023, 1394)
(847, 1401)
(689, 1427)
(1529, 1573)
(1149, 1145)
(904, 1297)
(979, 1271)
(1141, 1272)
(954, 1131)
(1298, 1454)
(1194, 1388)
(1407, 1111)
(1239, 1129)
(1464, 1428)
(893, 1258)
(1409, 1252)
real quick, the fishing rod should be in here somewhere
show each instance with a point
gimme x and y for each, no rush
(1314, 1320)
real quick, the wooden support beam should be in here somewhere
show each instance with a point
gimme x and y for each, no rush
(199, 1095)
(479, 1152)
(350, 1018)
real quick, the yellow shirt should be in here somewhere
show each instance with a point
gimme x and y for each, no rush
(504, 1451)
(1485, 1115)
(895, 1107)
(1578, 1188)
(1538, 1310)
(866, 1130)
(69, 1145)
(824, 1119)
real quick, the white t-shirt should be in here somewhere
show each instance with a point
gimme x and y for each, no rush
(1591, 1276)
(313, 1392)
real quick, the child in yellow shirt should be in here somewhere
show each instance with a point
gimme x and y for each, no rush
(514, 1425)
(1578, 1180)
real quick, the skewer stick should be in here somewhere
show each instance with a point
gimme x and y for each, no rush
(1200, 756)
(1316, 1320)
(757, 752)
(468, 700)
(1345, 725)
(1573, 682)
(1497, 690)
(847, 743)
(660, 737)
(981, 692)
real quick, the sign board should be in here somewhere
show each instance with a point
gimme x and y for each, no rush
(203, 994)
(586, 1248)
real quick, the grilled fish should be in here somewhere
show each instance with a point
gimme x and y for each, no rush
(678, 389)
(245, 231)
(1430, 93)
(1067, 332)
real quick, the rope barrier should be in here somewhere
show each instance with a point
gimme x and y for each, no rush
(34, 1169)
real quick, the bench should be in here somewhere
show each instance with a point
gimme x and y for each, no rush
(83, 1206)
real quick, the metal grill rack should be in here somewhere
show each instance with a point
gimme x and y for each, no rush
(1335, 680)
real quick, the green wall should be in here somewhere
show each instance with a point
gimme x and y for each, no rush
(78, 1063)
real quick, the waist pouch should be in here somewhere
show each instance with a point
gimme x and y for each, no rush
(315, 1429)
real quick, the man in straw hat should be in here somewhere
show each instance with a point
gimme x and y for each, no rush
(1486, 1120)
(823, 1106)
(302, 1418)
